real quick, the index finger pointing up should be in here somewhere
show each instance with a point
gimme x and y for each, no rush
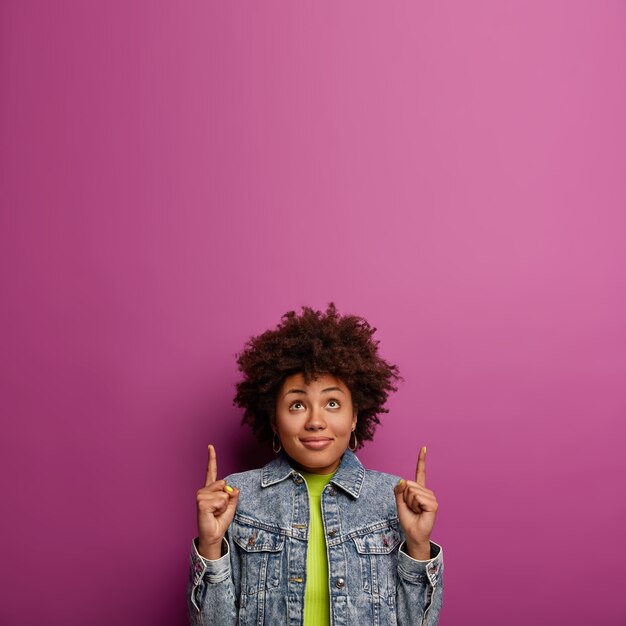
(420, 470)
(211, 470)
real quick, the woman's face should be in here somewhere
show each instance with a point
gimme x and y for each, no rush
(314, 421)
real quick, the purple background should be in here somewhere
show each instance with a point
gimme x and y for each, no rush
(175, 176)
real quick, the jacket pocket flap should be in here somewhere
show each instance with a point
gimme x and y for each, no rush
(253, 539)
(383, 541)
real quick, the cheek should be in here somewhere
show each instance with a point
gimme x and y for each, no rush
(287, 425)
(346, 429)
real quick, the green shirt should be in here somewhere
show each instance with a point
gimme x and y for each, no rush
(316, 592)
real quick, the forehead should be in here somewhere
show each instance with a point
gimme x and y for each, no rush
(323, 381)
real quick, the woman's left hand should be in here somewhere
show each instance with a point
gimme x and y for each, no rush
(417, 509)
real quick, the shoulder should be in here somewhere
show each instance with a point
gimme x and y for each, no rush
(245, 480)
(375, 504)
(262, 506)
(375, 478)
(377, 492)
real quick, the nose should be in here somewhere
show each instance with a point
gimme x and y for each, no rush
(315, 420)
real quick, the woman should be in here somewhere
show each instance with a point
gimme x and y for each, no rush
(313, 538)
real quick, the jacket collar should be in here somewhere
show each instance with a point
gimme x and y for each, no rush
(349, 475)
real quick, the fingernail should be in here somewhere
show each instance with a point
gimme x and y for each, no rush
(400, 482)
(229, 489)
(424, 449)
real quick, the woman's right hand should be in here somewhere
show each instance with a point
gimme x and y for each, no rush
(216, 503)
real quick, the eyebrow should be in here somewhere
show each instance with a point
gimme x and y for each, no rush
(323, 390)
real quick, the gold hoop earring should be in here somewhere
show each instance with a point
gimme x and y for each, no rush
(276, 447)
(356, 442)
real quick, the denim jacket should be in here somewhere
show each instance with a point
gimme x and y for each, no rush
(262, 575)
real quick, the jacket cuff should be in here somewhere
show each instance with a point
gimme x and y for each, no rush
(413, 570)
(213, 571)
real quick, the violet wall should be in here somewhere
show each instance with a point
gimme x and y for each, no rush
(175, 176)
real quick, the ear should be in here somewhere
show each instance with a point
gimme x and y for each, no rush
(354, 421)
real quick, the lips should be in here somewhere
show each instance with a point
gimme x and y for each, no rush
(316, 443)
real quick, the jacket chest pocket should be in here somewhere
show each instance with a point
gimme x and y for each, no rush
(261, 557)
(378, 556)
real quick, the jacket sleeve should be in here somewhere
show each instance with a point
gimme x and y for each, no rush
(420, 588)
(211, 592)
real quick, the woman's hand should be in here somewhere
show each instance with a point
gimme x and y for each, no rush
(417, 509)
(216, 503)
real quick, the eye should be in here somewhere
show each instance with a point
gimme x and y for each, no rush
(296, 406)
(333, 404)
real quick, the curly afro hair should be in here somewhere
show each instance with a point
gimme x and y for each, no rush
(315, 343)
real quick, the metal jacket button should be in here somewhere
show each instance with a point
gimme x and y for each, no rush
(340, 583)
(331, 491)
(332, 533)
